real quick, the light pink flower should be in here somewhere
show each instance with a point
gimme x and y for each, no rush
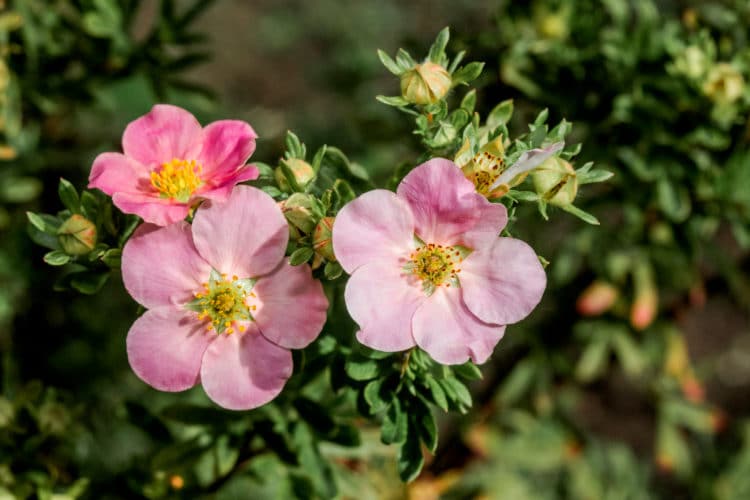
(170, 163)
(224, 305)
(428, 268)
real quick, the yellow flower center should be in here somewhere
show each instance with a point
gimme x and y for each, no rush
(177, 179)
(483, 170)
(436, 265)
(223, 303)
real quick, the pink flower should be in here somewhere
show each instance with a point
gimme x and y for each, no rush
(170, 163)
(428, 268)
(224, 305)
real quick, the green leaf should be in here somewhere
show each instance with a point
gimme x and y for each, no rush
(437, 392)
(56, 258)
(376, 397)
(427, 428)
(410, 459)
(89, 205)
(301, 255)
(500, 114)
(395, 424)
(456, 391)
(89, 282)
(20, 189)
(593, 361)
(362, 368)
(45, 223)
(389, 63)
(315, 415)
(396, 101)
(437, 50)
(332, 270)
(594, 176)
(467, 74)
(469, 102)
(581, 214)
(294, 147)
(271, 191)
(674, 199)
(518, 382)
(468, 371)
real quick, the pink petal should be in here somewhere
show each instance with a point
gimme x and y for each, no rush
(492, 219)
(165, 347)
(222, 191)
(113, 172)
(244, 370)
(444, 203)
(161, 267)
(246, 236)
(503, 284)
(450, 333)
(164, 133)
(377, 225)
(150, 208)
(227, 144)
(382, 300)
(292, 306)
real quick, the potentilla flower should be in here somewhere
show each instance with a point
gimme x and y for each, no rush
(428, 268)
(170, 163)
(224, 305)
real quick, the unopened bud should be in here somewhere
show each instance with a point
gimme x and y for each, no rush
(298, 212)
(176, 482)
(302, 171)
(724, 84)
(555, 181)
(425, 83)
(77, 235)
(693, 389)
(597, 298)
(322, 238)
(644, 308)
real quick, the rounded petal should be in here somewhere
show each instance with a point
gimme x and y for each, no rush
(150, 208)
(244, 370)
(492, 219)
(246, 235)
(221, 192)
(115, 172)
(292, 306)
(503, 284)
(161, 267)
(448, 332)
(165, 347)
(227, 144)
(382, 300)
(444, 203)
(376, 225)
(164, 133)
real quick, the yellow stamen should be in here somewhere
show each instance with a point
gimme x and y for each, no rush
(177, 179)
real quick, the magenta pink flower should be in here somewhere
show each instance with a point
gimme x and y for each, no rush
(428, 268)
(224, 305)
(170, 163)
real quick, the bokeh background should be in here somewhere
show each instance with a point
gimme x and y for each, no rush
(579, 401)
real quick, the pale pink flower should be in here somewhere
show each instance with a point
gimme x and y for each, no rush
(428, 268)
(224, 305)
(170, 163)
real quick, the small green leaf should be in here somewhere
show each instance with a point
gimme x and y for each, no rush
(410, 459)
(332, 270)
(437, 392)
(594, 176)
(396, 101)
(56, 258)
(395, 424)
(437, 50)
(427, 427)
(500, 114)
(469, 102)
(301, 255)
(362, 369)
(581, 214)
(89, 282)
(468, 371)
(468, 73)
(375, 397)
(457, 391)
(389, 63)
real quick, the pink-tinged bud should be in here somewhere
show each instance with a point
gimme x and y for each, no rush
(556, 182)
(646, 302)
(322, 239)
(77, 235)
(298, 212)
(302, 171)
(425, 83)
(597, 299)
(176, 482)
(693, 389)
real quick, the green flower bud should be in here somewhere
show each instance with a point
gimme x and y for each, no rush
(298, 212)
(555, 181)
(77, 235)
(724, 84)
(425, 83)
(322, 239)
(302, 171)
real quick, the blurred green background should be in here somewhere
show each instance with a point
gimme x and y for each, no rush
(575, 403)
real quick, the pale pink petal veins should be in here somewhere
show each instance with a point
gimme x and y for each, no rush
(164, 133)
(165, 347)
(492, 219)
(377, 225)
(504, 283)
(244, 370)
(114, 172)
(152, 209)
(227, 144)
(450, 333)
(246, 236)
(161, 267)
(292, 306)
(382, 299)
(444, 203)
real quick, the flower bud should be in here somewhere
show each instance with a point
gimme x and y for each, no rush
(646, 302)
(555, 181)
(77, 235)
(302, 171)
(298, 212)
(322, 240)
(425, 83)
(724, 84)
(597, 299)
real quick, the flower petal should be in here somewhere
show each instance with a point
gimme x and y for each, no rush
(450, 333)
(503, 284)
(221, 192)
(115, 172)
(165, 347)
(164, 133)
(150, 208)
(382, 300)
(227, 144)
(444, 203)
(292, 306)
(492, 219)
(246, 236)
(161, 267)
(376, 225)
(244, 370)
